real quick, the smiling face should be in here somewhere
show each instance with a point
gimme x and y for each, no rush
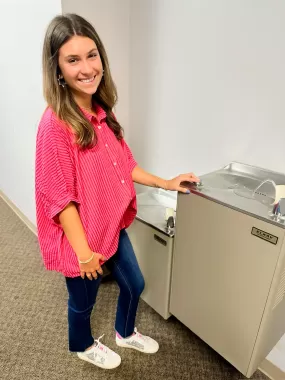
(81, 67)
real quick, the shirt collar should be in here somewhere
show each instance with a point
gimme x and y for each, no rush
(101, 114)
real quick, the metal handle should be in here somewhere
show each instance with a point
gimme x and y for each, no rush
(160, 240)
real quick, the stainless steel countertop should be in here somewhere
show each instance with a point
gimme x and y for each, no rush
(234, 185)
(151, 210)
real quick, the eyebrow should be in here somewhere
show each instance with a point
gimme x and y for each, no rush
(75, 56)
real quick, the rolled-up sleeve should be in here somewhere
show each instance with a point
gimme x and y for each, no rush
(132, 163)
(55, 169)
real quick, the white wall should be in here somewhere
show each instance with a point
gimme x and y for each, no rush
(22, 26)
(277, 355)
(111, 19)
(207, 84)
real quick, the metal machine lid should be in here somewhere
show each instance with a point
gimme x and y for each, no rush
(234, 186)
(152, 206)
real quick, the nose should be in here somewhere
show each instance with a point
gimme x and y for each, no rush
(86, 67)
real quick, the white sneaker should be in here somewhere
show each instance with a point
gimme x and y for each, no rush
(101, 356)
(139, 342)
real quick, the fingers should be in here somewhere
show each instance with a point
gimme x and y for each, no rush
(190, 177)
(183, 190)
(92, 275)
(93, 269)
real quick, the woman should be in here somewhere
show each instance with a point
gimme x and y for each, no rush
(85, 195)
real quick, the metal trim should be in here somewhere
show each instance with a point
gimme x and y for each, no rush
(170, 234)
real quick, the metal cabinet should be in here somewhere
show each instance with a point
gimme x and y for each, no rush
(153, 247)
(228, 283)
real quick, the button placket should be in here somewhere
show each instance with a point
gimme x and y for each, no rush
(115, 165)
(114, 161)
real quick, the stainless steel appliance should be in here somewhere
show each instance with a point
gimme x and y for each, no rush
(228, 276)
(151, 235)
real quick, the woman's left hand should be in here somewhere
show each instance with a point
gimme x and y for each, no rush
(175, 183)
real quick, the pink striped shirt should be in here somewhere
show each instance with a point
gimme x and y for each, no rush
(98, 179)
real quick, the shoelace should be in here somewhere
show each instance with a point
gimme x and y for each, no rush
(100, 345)
(140, 335)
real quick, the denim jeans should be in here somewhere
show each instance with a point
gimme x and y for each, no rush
(82, 296)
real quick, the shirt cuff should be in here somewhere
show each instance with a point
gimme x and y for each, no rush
(53, 208)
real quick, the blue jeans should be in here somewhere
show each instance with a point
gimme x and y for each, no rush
(82, 296)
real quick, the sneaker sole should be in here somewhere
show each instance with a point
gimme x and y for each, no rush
(97, 364)
(136, 348)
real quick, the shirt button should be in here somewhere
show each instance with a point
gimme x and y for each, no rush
(115, 163)
(99, 126)
(106, 145)
(123, 181)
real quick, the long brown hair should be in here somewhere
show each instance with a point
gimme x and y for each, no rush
(59, 98)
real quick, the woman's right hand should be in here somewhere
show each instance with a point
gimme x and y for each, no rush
(93, 267)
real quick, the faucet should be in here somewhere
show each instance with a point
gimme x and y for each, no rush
(170, 224)
(279, 209)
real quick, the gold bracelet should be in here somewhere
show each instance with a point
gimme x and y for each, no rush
(87, 261)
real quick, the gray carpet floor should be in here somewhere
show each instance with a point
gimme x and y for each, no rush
(33, 325)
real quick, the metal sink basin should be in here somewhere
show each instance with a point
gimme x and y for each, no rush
(224, 181)
(242, 185)
(238, 186)
(245, 181)
(152, 205)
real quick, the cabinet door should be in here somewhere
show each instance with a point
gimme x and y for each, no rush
(222, 275)
(154, 254)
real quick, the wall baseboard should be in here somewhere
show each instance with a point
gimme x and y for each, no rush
(270, 370)
(19, 213)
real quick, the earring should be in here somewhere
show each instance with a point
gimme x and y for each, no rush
(61, 81)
